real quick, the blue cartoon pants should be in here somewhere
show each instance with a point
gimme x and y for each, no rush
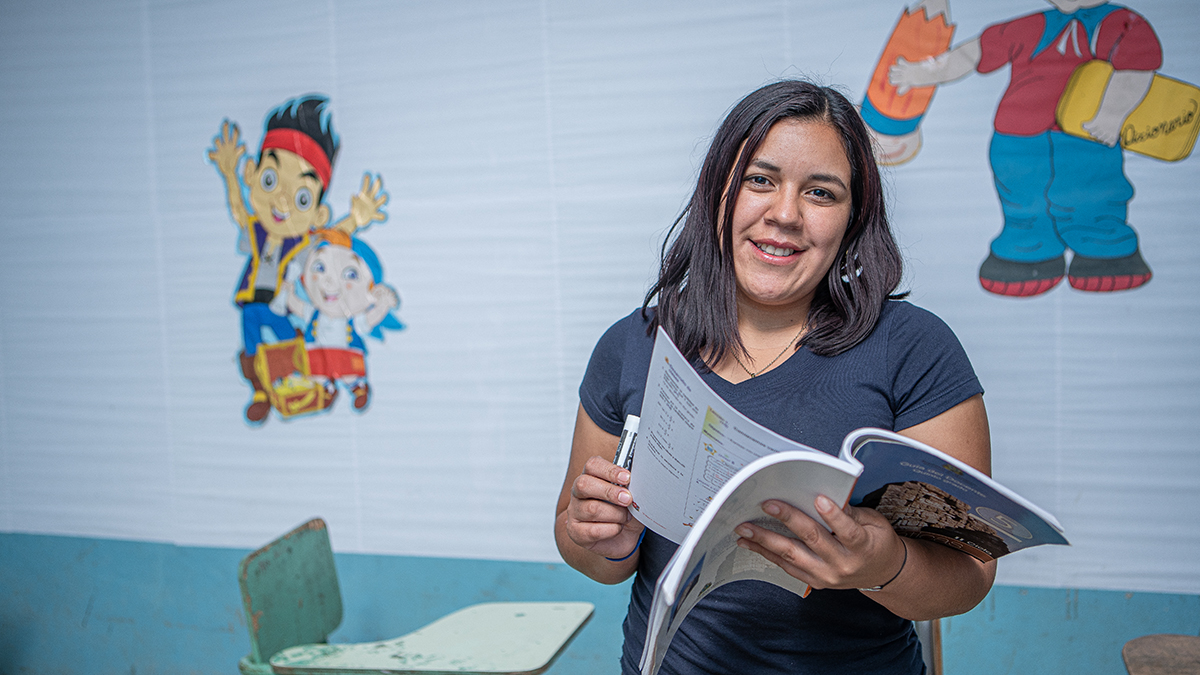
(256, 316)
(1058, 192)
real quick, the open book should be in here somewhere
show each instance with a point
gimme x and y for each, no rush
(702, 468)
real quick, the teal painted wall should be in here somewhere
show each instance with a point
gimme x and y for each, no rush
(1043, 630)
(76, 606)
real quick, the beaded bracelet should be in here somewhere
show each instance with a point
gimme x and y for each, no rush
(639, 543)
(880, 586)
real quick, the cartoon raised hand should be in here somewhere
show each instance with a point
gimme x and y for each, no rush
(385, 296)
(227, 150)
(386, 299)
(366, 207)
(226, 154)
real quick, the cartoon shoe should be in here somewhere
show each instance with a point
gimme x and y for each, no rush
(331, 392)
(362, 395)
(257, 411)
(1105, 275)
(1020, 279)
(259, 406)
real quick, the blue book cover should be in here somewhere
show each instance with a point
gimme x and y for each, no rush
(926, 494)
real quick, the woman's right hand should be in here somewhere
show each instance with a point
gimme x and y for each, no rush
(597, 515)
(594, 530)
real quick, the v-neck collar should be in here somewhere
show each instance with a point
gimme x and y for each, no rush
(719, 383)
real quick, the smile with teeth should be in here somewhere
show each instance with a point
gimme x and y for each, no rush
(772, 250)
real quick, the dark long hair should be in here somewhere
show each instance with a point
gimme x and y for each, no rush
(697, 287)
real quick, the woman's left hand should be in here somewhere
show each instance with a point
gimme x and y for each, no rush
(862, 551)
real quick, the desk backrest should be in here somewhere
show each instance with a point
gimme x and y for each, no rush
(290, 591)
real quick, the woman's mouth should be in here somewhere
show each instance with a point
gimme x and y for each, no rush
(775, 250)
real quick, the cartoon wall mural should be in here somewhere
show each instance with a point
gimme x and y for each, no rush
(1083, 89)
(309, 290)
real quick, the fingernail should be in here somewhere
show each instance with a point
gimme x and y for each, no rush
(745, 532)
(772, 508)
(624, 497)
(824, 504)
(623, 477)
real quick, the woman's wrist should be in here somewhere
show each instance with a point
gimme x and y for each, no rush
(895, 576)
(630, 554)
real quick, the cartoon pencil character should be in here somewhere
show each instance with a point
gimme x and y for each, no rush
(1058, 192)
(343, 298)
(285, 190)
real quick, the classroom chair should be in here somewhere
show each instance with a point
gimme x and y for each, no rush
(293, 602)
(1162, 654)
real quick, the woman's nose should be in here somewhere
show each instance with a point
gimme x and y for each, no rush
(785, 209)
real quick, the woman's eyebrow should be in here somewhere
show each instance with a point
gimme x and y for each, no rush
(764, 165)
(828, 178)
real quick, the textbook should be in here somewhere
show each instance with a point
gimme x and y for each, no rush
(701, 468)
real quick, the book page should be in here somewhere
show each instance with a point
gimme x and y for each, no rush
(709, 556)
(689, 443)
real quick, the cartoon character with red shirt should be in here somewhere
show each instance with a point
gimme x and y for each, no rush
(1058, 192)
(280, 206)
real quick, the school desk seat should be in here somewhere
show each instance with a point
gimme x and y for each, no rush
(293, 602)
(1162, 654)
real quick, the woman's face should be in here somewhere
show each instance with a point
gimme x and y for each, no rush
(793, 207)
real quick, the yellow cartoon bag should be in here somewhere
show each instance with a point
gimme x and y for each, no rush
(284, 372)
(1163, 126)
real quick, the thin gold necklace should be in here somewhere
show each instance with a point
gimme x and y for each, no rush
(762, 370)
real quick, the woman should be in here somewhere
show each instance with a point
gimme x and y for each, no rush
(780, 289)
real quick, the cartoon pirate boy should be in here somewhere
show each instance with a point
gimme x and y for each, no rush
(286, 187)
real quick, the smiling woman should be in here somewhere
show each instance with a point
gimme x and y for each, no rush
(789, 220)
(780, 289)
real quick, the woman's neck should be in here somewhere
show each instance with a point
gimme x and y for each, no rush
(758, 323)
(769, 334)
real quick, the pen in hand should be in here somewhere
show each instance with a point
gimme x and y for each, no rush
(624, 458)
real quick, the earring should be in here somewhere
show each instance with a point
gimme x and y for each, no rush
(846, 260)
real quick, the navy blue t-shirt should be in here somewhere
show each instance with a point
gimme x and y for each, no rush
(909, 370)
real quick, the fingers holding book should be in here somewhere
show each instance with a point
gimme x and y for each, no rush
(858, 550)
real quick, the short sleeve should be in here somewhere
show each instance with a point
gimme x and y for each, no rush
(1128, 42)
(600, 391)
(1000, 44)
(930, 369)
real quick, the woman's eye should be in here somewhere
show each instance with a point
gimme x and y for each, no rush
(269, 180)
(304, 199)
(758, 180)
(822, 193)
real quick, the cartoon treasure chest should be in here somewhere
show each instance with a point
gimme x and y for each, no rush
(283, 370)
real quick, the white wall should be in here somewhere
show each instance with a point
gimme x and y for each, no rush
(534, 153)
